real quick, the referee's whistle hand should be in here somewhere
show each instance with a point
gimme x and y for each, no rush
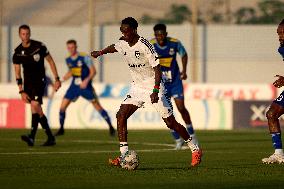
(25, 97)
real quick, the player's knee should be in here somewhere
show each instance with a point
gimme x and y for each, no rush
(62, 109)
(170, 122)
(182, 109)
(271, 114)
(120, 116)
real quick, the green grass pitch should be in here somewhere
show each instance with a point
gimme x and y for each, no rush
(232, 159)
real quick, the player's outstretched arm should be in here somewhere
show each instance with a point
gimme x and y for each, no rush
(109, 49)
(57, 83)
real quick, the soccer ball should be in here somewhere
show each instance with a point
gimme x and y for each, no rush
(130, 160)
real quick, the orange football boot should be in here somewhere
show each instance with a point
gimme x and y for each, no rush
(115, 162)
(196, 158)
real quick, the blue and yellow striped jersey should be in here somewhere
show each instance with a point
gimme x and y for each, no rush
(79, 65)
(167, 55)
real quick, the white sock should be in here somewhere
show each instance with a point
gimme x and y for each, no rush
(279, 151)
(193, 147)
(123, 147)
(194, 139)
(180, 140)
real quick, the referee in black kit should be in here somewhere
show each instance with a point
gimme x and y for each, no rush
(31, 54)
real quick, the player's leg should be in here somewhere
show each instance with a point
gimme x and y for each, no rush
(36, 107)
(127, 108)
(164, 107)
(71, 95)
(273, 114)
(29, 139)
(62, 114)
(104, 114)
(125, 111)
(90, 94)
(179, 141)
(186, 117)
(180, 129)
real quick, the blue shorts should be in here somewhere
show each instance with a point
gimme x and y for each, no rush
(280, 100)
(74, 92)
(175, 89)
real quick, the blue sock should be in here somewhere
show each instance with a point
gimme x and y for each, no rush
(276, 140)
(175, 135)
(190, 129)
(61, 119)
(104, 114)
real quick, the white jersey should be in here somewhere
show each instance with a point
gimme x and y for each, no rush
(141, 59)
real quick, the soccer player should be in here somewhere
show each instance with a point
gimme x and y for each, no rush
(146, 88)
(31, 54)
(167, 48)
(82, 71)
(276, 110)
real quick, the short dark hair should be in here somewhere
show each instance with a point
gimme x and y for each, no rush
(162, 27)
(24, 27)
(71, 41)
(131, 22)
(282, 22)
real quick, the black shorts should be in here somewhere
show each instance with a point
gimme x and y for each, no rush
(35, 91)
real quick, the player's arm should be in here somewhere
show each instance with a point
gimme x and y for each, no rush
(17, 67)
(107, 50)
(18, 76)
(92, 72)
(57, 83)
(24, 95)
(158, 77)
(184, 59)
(67, 76)
(279, 82)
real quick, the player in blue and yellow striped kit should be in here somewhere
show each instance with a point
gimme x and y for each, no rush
(167, 48)
(82, 71)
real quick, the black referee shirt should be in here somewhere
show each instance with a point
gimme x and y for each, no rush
(32, 60)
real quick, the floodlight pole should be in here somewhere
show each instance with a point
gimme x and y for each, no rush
(91, 25)
(194, 66)
(116, 10)
(1, 27)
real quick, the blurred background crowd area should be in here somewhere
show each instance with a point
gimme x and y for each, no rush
(234, 37)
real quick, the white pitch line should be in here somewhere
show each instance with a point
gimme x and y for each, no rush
(114, 142)
(104, 142)
(81, 152)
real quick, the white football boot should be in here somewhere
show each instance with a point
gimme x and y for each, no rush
(179, 144)
(274, 158)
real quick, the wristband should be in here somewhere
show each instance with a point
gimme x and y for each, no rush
(19, 81)
(21, 91)
(57, 78)
(155, 90)
(101, 53)
(157, 87)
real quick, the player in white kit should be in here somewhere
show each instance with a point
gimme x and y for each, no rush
(146, 87)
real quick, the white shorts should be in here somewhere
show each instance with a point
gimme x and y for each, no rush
(139, 96)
